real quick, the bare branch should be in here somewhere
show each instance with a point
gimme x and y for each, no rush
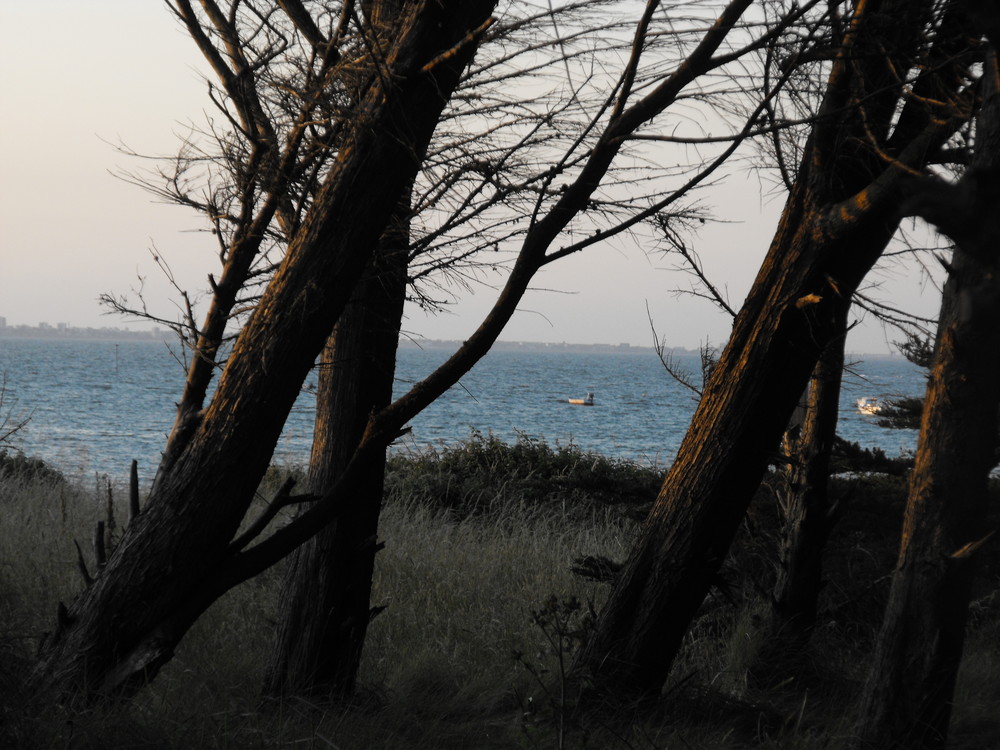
(10, 425)
(676, 241)
(572, 201)
(81, 565)
(673, 368)
(283, 498)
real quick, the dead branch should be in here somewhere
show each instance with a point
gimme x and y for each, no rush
(100, 552)
(673, 368)
(9, 424)
(282, 499)
(133, 491)
(81, 565)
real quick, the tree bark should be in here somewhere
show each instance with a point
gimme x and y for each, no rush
(733, 435)
(325, 605)
(170, 565)
(324, 609)
(807, 513)
(836, 222)
(907, 698)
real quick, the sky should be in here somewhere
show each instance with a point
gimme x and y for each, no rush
(79, 79)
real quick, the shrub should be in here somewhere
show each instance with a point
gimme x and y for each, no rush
(473, 477)
(851, 457)
(15, 465)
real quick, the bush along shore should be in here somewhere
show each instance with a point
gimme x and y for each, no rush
(496, 560)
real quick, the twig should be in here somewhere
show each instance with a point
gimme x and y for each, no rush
(82, 565)
(672, 368)
(694, 266)
(282, 499)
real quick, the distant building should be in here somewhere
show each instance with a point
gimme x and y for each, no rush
(3, 322)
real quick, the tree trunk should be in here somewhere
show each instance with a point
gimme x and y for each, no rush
(325, 603)
(807, 513)
(176, 558)
(734, 433)
(906, 701)
(838, 219)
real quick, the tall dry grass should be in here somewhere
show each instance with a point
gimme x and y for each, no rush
(475, 576)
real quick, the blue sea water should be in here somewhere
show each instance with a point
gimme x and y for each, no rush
(96, 405)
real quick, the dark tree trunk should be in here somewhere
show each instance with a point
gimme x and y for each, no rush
(176, 558)
(838, 219)
(808, 514)
(325, 603)
(906, 701)
(735, 432)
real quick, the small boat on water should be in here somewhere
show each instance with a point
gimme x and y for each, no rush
(588, 401)
(869, 405)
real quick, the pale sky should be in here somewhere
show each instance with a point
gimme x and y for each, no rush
(79, 77)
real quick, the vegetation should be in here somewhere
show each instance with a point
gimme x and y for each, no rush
(848, 456)
(867, 140)
(481, 617)
(335, 119)
(326, 220)
(10, 423)
(15, 466)
(904, 412)
(485, 470)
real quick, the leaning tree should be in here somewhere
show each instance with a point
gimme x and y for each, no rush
(182, 551)
(907, 699)
(185, 549)
(478, 172)
(898, 88)
(483, 180)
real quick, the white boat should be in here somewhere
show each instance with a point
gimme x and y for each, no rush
(588, 401)
(869, 405)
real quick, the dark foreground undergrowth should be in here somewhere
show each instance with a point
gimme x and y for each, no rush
(482, 618)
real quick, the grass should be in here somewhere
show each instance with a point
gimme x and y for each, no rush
(481, 611)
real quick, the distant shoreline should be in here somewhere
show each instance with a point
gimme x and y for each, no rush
(64, 332)
(536, 346)
(72, 333)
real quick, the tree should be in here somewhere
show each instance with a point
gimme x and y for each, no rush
(904, 412)
(907, 698)
(325, 606)
(10, 424)
(808, 513)
(325, 603)
(868, 136)
(183, 551)
(483, 171)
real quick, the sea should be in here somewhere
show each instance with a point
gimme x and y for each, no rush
(93, 406)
